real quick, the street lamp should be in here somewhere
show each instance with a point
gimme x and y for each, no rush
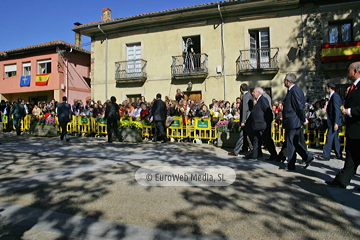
(300, 40)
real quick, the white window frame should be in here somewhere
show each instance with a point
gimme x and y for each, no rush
(39, 71)
(134, 60)
(26, 65)
(10, 70)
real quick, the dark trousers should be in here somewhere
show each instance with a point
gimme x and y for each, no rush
(17, 124)
(352, 162)
(294, 145)
(268, 141)
(63, 125)
(159, 128)
(256, 137)
(282, 152)
(112, 127)
(332, 139)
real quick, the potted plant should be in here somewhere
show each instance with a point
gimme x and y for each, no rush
(131, 131)
(228, 133)
(43, 126)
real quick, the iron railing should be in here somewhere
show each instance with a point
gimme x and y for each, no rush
(257, 59)
(130, 70)
(190, 64)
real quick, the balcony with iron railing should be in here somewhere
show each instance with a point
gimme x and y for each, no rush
(259, 60)
(190, 66)
(130, 71)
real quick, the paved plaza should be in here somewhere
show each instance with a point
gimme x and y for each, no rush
(86, 189)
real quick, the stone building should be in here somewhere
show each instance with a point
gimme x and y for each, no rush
(208, 50)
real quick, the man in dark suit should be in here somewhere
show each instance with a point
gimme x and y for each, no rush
(334, 122)
(352, 121)
(112, 117)
(19, 113)
(293, 121)
(246, 106)
(257, 122)
(267, 138)
(64, 115)
(158, 112)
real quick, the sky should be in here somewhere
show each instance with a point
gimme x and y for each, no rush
(29, 22)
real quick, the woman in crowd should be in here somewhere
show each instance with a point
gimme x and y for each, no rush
(36, 110)
(204, 112)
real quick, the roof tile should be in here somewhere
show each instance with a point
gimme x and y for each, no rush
(47, 44)
(151, 13)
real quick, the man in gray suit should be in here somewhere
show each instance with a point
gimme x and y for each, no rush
(64, 115)
(246, 106)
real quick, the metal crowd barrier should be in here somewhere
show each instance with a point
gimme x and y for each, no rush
(191, 129)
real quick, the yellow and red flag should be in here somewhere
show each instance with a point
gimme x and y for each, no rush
(340, 51)
(42, 79)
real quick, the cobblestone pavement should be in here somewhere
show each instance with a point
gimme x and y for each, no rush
(86, 189)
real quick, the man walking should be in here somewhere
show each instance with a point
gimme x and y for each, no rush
(64, 115)
(112, 117)
(257, 122)
(293, 121)
(18, 112)
(269, 142)
(334, 122)
(352, 121)
(158, 112)
(246, 106)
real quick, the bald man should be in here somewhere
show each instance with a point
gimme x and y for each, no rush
(351, 113)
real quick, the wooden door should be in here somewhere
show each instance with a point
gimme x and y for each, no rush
(193, 95)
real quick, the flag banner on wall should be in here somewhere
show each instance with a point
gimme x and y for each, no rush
(340, 51)
(42, 79)
(25, 81)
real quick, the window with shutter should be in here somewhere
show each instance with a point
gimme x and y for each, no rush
(259, 48)
(133, 57)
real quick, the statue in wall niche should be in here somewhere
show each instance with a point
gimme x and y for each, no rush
(188, 56)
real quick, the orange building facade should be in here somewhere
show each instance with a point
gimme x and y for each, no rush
(43, 72)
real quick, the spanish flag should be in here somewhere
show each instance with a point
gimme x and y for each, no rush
(42, 79)
(340, 51)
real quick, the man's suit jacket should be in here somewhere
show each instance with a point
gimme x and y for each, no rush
(64, 112)
(333, 110)
(246, 106)
(18, 110)
(293, 112)
(158, 110)
(260, 115)
(353, 123)
(112, 111)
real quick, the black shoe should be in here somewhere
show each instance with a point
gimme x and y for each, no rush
(164, 141)
(358, 189)
(248, 157)
(321, 158)
(110, 141)
(61, 138)
(308, 162)
(68, 139)
(291, 169)
(335, 184)
(272, 158)
(281, 158)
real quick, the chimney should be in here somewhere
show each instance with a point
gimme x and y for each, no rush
(78, 39)
(106, 14)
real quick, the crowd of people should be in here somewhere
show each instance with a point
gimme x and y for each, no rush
(254, 110)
